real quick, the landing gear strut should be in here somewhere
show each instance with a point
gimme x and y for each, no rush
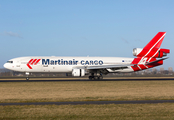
(27, 74)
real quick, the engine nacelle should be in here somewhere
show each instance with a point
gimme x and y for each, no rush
(136, 51)
(139, 52)
(78, 72)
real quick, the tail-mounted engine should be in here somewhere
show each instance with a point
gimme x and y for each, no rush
(78, 72)
(155, 53)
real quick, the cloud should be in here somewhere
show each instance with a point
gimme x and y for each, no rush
(12, 34)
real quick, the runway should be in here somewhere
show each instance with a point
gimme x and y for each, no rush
(92, 102)
(85, 79)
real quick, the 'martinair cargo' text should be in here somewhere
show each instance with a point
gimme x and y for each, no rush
(71, 62)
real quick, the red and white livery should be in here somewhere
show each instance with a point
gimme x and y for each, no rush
(149, 56)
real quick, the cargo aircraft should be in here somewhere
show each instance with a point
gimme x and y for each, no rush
(149, 56)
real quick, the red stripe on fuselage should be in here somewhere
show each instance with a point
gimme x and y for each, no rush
(33, 61)
(37, 61)
(135, 68)
(30, 61)
(28, 64)
(142, 66)
(136, 60)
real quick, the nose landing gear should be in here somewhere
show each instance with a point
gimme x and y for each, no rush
(27, 75)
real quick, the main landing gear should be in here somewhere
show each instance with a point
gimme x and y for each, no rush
(95, 77)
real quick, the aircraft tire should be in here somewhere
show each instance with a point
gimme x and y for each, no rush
(90, 77)
(100, 77)
(95, 77)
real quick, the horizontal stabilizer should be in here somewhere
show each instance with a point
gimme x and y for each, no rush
(150, 63)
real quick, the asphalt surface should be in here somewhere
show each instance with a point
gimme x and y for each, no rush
(83, 79)
(92, 102)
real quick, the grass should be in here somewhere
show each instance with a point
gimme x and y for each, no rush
(86, 91)
(89, 112)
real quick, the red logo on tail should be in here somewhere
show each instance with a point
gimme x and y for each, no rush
(32, 62)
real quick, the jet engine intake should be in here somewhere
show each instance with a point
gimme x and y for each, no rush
(136, 51)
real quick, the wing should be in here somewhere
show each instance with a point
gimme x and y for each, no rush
(116, 67)
(121, 66)
(103, 68)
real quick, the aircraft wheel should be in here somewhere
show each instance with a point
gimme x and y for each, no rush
(101, 77)
(90, 77)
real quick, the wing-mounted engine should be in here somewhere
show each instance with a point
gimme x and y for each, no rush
(78, 72)
(155, 52)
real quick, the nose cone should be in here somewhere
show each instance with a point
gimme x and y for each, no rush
(6, 65)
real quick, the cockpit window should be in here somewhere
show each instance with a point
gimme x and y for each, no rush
(9, 61)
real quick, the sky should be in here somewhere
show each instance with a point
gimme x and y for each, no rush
(106, 28)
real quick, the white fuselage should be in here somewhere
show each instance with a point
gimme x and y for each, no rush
(64, 64)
